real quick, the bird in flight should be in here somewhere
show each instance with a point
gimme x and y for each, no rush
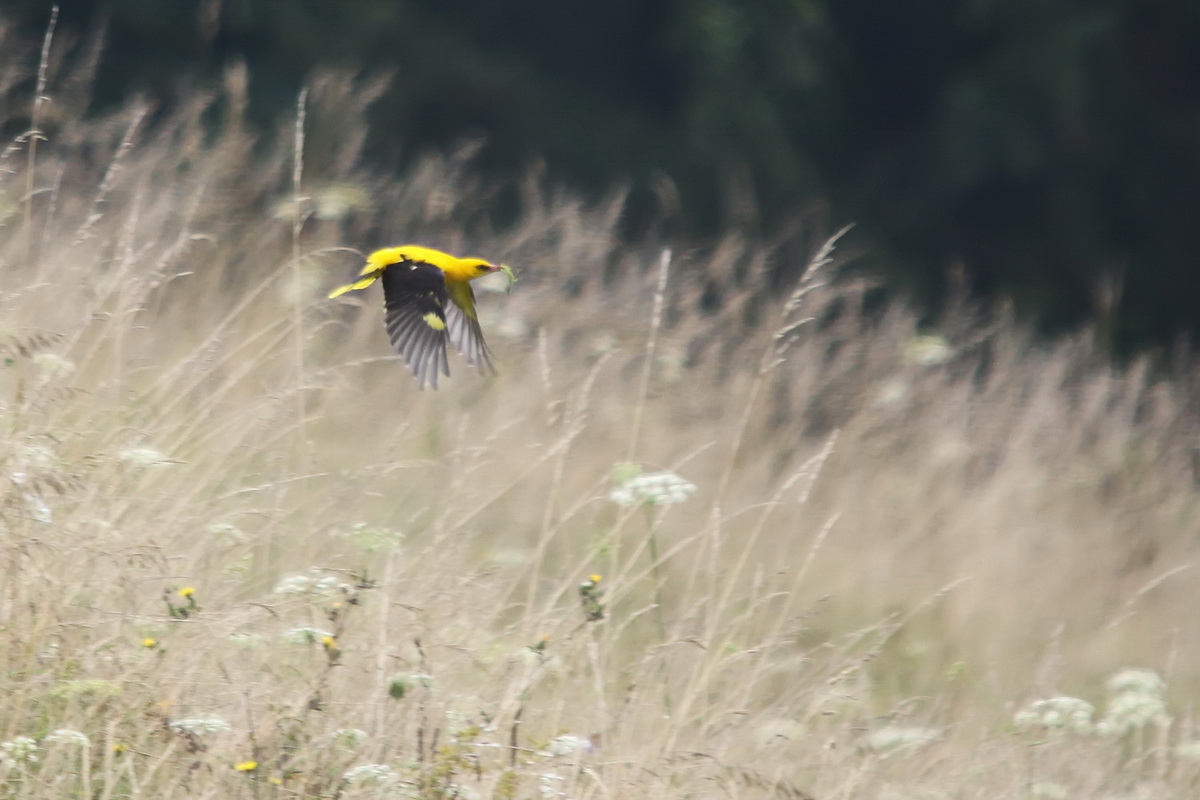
(417, 283)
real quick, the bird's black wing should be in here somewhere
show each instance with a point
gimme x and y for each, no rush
(415, 294)
(465, 333)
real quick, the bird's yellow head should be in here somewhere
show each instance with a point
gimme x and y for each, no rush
(478, 265)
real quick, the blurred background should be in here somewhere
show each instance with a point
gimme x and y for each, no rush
(910, 551)
(1043, 151)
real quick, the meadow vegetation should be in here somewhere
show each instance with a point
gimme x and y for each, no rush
(703, 536)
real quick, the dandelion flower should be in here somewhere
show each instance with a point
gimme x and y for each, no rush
(246, 766)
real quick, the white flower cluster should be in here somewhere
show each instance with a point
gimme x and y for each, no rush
(548, 783)
(312, 583)
(1065, 713)
(652, 489)
(373, 539)
(67, 736)
(52, 365)
(200, 726)
(894, 738)
(21, 750)
(305, 635)
(369, 773)
(569, 745)
(1135, 700)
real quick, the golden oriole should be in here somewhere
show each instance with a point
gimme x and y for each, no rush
(417, 282)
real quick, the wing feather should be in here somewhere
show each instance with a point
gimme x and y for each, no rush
(462, 325)
(415, 295)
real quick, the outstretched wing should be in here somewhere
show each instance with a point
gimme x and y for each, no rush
(416, 299)
(463, 327)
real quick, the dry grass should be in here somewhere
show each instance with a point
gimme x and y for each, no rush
(895, 541)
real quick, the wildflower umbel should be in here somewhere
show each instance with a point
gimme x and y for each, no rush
(369, 773)
(201, 726)
(20, 750)
(1057, 713)
(661, 488)
(68, 736)
(1135, 701)
(893, 738)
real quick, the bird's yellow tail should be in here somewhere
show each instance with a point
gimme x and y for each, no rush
(350, 287)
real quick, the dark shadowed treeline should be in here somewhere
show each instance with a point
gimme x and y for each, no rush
(1050, 150)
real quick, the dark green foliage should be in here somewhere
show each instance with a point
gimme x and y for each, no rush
(1050, 148)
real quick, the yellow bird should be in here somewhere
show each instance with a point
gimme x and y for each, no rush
(417, 282)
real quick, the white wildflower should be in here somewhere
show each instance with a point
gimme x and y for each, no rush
(21, 750)
(653, 489)
(38, 509)
(373, 539)
(306, 635)
(1136, 700)
(1067, 713)
(200, 726)
(1137, 681)
(311, 583)
(1131, 710)
(67, 736)
(369, 773)
(895, 738)
(548, 783)
(53, 365)
(569, 745)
